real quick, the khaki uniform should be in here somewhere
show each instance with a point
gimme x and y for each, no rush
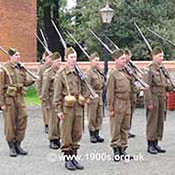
(133, 104)
(156, 96)
(118, 100)
(71, 125)
(133, 97)
(94, 107)
(41, 70)
(13, 86)
(47, 100)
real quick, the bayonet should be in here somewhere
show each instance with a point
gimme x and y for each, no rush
(113, 43)
(88, 56)
(156, 34)
(62, 40)
(145, 40)
(109, 50)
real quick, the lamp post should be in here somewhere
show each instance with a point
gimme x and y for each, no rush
(107, 14)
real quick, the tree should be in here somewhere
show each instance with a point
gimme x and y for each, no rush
(47, 10)
(158, 15)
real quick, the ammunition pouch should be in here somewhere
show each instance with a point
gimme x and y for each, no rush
(69, 101)
(11, 91)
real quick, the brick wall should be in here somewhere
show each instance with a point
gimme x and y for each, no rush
(17, 27)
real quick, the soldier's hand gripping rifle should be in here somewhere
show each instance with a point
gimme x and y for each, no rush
(20, 65)
(132, 73)
(167, 75)
(83, 78)
(156, 34)
(79, 72)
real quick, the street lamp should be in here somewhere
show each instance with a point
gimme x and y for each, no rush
(107, 14)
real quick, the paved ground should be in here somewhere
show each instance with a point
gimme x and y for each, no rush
(95, 157)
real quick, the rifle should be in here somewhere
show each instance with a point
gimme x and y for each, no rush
(131, 63)
(113, 43)
(59, 34)
(163, 69)
(136, 68)
(3, 50)
(83, 78)
(44, 46)
(107, 48)
(88, 56)
(104, 89)
(156, 34)
(167, 75)
(130, 71)
(20, 65)
(44, 39)
(145, 40)
(79, 72)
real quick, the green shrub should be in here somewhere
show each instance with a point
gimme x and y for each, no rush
(31, 96)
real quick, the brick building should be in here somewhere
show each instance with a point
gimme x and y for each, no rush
(18, 28)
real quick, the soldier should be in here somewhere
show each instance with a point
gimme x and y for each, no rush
(47, 63)
(69, 97)
(94, 107)
(119, 105)
(47, 101)
(133, 92)
(155, 100)
(13, 85)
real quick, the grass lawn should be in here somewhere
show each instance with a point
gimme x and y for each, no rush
(31, 98)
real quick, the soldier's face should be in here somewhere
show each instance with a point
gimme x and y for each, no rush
(48, 60)
(57, 63)
(128, 57)
(96, 62)
(16, 58)
(121, 61)
(72, 58)
(158, 58)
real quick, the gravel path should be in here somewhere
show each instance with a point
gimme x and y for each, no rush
(95, 157)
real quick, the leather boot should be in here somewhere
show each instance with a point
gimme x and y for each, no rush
(130, 135)
(12, 152)
(57, 141)
(46, 129)
(117, 154)
(93, 139)
(74, 160)
(158, 148)
(151, 149)
(68, 161)
(99, 139)
(54, 144)
(19, 150)
(125, 154)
